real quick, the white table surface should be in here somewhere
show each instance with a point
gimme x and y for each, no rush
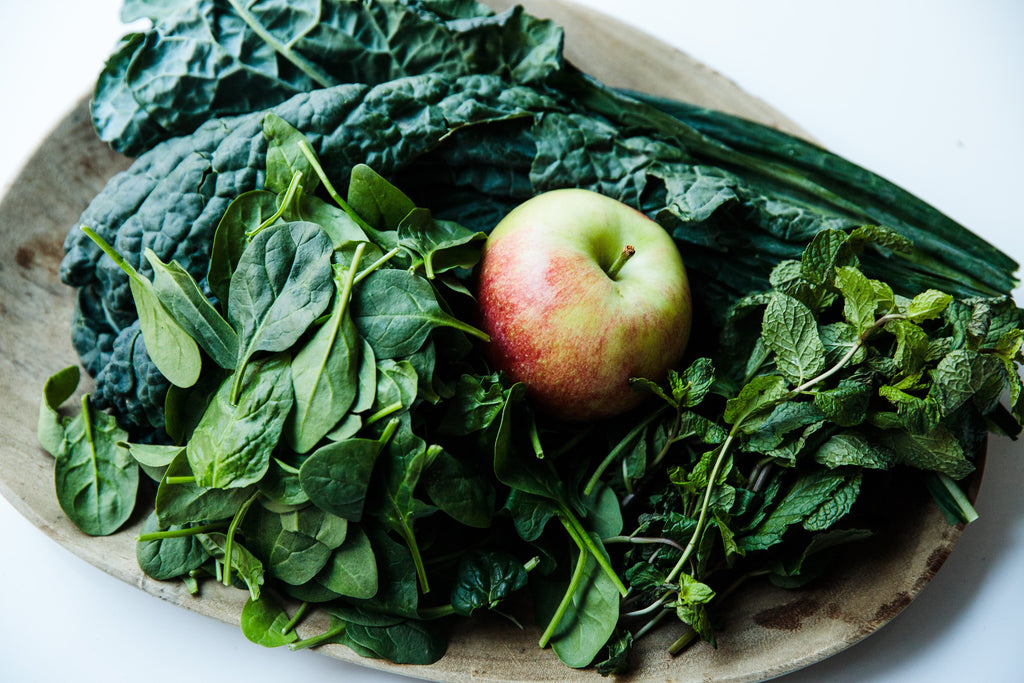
(929, 94)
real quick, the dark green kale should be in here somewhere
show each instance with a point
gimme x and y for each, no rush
(215, 58)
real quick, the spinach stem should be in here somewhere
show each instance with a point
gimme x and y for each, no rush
(384, 412)
(335, 630)
(180, 480)
(619, 447)
(310, 155)
(538, 449)
(229, 537)
(180, 533)
(350, 276)
(563, 605)
(436, 612)
(289, 196)
(110, 251)
(375, 265)
(295, 619)
(580, 535)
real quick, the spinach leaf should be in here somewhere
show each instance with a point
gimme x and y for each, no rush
(410, 642)
(180, 294)
(396, 506)
(174, 352)
(58, 388)
(95, 477)
(263, 622)
(588, 602)
(295, 546)
(281, 285)
(231, 445)
(395, 311)
(352, 568)
(167, 558)
(336, 477)
(180, 500)
(243, 216)
(325, 373)
(485, 579)
(246, 566)
(438, 245)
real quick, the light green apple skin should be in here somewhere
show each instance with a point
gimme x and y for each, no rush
(559, 324)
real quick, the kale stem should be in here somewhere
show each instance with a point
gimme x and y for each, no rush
(580, 535)
(179, 533)
(295, 619)
(563, 605)
(229, 537)
(375, 265)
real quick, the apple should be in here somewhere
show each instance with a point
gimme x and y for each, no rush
(579, 293)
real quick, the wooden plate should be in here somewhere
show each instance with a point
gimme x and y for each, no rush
(767, 631)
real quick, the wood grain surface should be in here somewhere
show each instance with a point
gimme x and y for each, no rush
(767, 631)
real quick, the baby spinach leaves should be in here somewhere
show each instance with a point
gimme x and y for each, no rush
(174, 352)
(95, 477)
(304, 447)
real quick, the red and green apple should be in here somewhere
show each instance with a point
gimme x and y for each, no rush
(579, 293)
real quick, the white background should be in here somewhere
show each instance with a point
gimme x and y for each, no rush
(929, 94)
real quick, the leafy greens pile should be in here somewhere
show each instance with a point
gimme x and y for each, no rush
(299, 372)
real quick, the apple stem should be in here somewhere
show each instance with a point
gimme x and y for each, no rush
(625, 255)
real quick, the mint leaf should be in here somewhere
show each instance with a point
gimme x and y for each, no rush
(803, 499)
(938, 451)
(859, 301)
(919, 415)
(847, 403)
(758, 396)
(878, 235)
(693, 592)
(790, 330)
(852, 449)
(928, 305)
(836, 506)
(912, 346)
(827, 250)
(690, 388)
